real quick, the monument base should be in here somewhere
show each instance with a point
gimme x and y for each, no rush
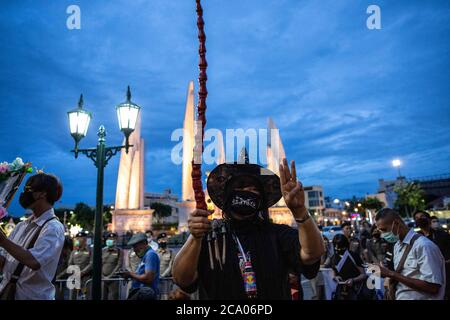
(135, 220)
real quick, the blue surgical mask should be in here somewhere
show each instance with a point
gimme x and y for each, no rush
(109, 243)
(390, 236)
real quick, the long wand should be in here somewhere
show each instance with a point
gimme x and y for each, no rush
(201, 114)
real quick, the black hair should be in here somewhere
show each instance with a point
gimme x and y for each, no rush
(345, 223)
(366, 222)
(387, 213)
(434, 218)
(47, 183)
(426, 214)
(341, 241)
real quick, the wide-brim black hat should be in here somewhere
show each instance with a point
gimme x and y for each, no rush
(224, 173)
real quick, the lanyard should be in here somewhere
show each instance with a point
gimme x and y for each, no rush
(248, 275)
(238, 243)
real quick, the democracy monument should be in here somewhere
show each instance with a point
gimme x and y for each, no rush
(130, 212)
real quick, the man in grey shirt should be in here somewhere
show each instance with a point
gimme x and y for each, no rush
(423, 274)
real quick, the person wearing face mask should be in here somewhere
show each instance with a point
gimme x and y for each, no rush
(439, 237)
(80, 256)
(348, 287)
(112, 262)
(256, 255)
(419, 267)
(145, 284)
(376, 247)
(29, 256)
(166, 256)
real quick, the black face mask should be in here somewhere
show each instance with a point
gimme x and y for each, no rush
(163, 245)
(244, 203)
(340, 251)
(26, 199)
(422, 222)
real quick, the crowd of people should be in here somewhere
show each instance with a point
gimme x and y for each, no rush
(138, 268)
(420, 274)
(37, 256)
(243, 256)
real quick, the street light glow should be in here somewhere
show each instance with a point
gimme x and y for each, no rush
(79, 120)
(396, 163)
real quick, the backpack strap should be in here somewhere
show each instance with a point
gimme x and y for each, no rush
(15, 276)
(408, 248)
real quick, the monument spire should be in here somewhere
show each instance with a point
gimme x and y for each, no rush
(188, 145)
(275, 151)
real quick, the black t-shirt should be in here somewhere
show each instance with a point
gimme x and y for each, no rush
(274, 251)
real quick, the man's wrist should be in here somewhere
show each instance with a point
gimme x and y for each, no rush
(197, 240)
(300, 213)
(391, 274)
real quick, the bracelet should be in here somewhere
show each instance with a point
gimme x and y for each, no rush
(300, 221)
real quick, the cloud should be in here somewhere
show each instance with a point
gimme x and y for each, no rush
(346, 99)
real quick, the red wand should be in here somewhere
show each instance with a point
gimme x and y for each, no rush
(201, 117)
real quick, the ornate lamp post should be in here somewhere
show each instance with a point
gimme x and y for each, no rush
(79, 119)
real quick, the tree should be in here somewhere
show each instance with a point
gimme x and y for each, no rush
(410, 198)
(107, 215)
(83, 215)
(161, 211)
(373, 204)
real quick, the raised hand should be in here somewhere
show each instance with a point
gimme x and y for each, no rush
(292, 190)
(198, 223)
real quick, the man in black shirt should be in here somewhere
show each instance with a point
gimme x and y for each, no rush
(439, 237)
(257, 255)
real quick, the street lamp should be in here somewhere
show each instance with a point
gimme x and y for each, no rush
(127, 114)
(396, 163)
(79, 119)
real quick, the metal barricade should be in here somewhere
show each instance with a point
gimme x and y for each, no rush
(166, 286)
(122, 287)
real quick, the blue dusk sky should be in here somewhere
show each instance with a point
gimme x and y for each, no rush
(347, 100)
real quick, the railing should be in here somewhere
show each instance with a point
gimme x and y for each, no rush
(166, 285)
(438, 177)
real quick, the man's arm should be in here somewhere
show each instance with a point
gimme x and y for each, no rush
(185, 264)
(311, 240)
(20, 254)
(415, 284)
(87, 270)
(119, 263)
(146, 278)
